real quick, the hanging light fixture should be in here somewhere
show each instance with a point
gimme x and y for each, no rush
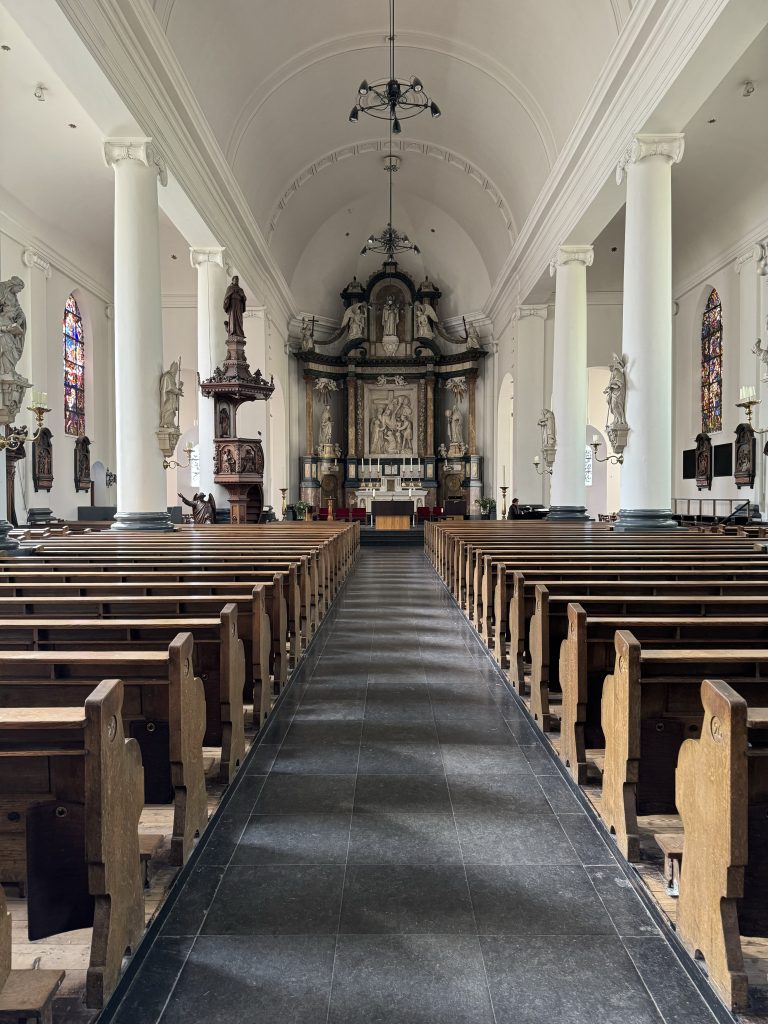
(390, 242)
(393, 99)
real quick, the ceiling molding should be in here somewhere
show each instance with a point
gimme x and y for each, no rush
(652, 50)
(164, 8)
(758, 235)
(126, 40)
(621, 11)
(403, 146)
(330, 49)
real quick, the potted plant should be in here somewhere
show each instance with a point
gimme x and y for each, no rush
(301, 508)
(487, 507)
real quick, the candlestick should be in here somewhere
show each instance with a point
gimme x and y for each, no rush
(503, 474)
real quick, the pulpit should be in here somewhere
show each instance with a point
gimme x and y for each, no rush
(392, 515)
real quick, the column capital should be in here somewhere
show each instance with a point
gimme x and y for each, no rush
(671, 146)
(571, 254)
(109, 311)
(138, 148)
(525, 311)
(200, 255)
(755, 254)
(32, 258)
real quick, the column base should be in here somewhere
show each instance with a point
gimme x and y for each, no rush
(568, 512)
(154, 521)
(645, 519)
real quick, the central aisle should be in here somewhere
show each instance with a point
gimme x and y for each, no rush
(402, 849)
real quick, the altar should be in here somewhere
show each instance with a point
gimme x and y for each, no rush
(390, 401)
(392, 514)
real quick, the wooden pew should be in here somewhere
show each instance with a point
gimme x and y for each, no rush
(587, 653)
(722, 796)
(218, 657)
(164, 710)
(650, 704)
(72, 785)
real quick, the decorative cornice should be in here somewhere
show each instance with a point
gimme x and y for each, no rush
(670, 146)
(405, 146)
(523, 312)
(179, 300)
(140, 149)
(109, 311)
(32, 258)
(566, 254)
(757, 236)
(199, 256)
(755, 254)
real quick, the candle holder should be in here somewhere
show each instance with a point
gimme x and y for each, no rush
(16, 438)
(504, 490)
(175, 464)
(330, 510)
(615, 460)
(748, 404)
(110, 478)
(284, 509)
(546, 471)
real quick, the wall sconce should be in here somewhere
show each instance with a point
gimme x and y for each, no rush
(17, 437)
(175, 464)
(110, 478)
(545, 471)
(615, 460)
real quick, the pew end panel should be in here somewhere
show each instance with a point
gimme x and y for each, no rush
(573, 682)
(711, 792)
(517, 633)
(500, 605)
(186, 700)
(231, 669)
(539, 647)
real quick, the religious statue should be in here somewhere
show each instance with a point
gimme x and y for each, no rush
(390, 317)
(307, 334)
(82, 453)
(425, 316)
(203, 509)
(473, 338)
(230, 460)
(223, 421)
(455, 426)
(758, 349)
(377, 432)
(548, 432)
(247, 462)
(616, 392)
(326, 426)
(234, 306)
(355, 319)
(171, 391)
(13, 325)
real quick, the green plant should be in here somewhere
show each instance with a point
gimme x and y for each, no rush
(486, 504)
(301, 508)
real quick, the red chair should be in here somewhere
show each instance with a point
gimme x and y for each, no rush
(438, 512)
(322, 514)
(358, 515)
(342, 514)
(423, 514)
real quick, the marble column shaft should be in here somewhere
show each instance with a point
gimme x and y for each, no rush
(472, 389)
(430, 415)
(351, 415)
(141, 485)
(310, 412)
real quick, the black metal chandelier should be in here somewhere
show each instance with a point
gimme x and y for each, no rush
(390, 242)
(395, 98)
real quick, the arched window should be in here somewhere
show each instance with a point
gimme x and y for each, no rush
(712, 365)
(74, 369)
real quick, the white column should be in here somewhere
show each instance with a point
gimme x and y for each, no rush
(528, 374)
(209, 261)
(141, 488)
(569, 380)
(746, 267)
(646, 479)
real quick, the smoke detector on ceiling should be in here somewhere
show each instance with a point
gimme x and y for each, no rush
(40, 92)
(749, 88)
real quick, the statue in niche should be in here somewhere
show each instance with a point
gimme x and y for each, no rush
(548, 432)
(234, 306)
(247, 462)
(616, 392)
(390, 317)
(13, 325)
(231, 462)
(326, 426)
(307, 334)
(355, 319)
(203, 509)
(171, 391)
(455, 426)
(425, 317)
(223, 421)
(377, 431)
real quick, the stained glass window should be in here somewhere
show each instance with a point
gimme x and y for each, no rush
(712, 365)
(74, 369)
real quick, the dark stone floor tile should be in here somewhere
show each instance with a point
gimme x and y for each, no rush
(561, 797)
(403, 838)
(468, 731)
(529, 839)
(672, 990)
(222, 839)
(277, 727)
(294, 839)
(564, 979)
(378, 794)
(283, 979)
(629, 916)
(324, 732)
(465, 758)
(317, 709)
(503, 796)
(292, 794)
(188, 911)
(394, 711)
(535, 900)
(244, 794)
(379, 899)
(422, 730)
(330, 759)
(409, 979)
(277, 900)
(540, 760)
(160, 971)
(260, 760)
(400, 758)
(586, 840)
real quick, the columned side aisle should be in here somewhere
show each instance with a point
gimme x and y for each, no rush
(402, 849)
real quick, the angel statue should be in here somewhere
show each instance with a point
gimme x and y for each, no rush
(473, 338)
(355, 320)
(758, 350)
(425, 316)
(307, 334)
(616, 392)
(548, 432)
(203, 509)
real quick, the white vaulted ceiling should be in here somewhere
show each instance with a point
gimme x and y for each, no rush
(276, 80)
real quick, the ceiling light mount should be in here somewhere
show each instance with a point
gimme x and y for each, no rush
(393, 99)
(748, 88)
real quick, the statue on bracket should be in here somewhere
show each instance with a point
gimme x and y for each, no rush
(82, 452)
(171, 391)
(42, 461)
(203, 509)
(234, 307)
(548, 437)
(355, 319)
(390, 317)
(425, 316)
(616, 396)
(307, 334)
(473, 338)
(13, 330)
(455, 421)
